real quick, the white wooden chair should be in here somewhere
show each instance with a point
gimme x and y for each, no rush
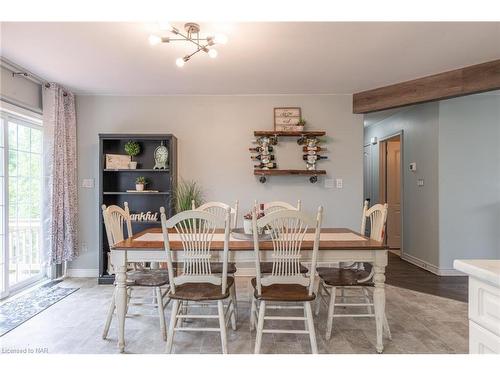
(285, 284)
(270, 207)
(115, 218)
(355, 278)
(219, 209)
(197, 283)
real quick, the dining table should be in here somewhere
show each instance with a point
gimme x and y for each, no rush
(335, 245)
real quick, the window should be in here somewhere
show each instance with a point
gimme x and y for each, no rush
(20, 202)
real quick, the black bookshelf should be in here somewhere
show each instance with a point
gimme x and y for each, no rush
(114, 183)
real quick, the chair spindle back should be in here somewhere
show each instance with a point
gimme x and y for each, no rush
(196, 230)
(219, 209)
(115, 218)
(270, 207)
(378, 217)
(287, 229)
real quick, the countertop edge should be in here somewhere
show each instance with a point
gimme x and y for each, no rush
(471, 268)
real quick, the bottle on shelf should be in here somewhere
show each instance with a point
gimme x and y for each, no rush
(313, 158)
(262, 157)
(308, 141)
(261, 149)
(313, 148)
(265, 166)
(264, 141)
(311, 166)
(261, 210)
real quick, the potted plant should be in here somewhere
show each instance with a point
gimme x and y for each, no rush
(140, 182)
(301, 124)
(186, 192)
(132, 148)
(247, 221)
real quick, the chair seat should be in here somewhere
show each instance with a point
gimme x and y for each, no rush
(283, 292)
(153, 278)
(201, 291)
(343, 276)
(267, 267)
(216, 267)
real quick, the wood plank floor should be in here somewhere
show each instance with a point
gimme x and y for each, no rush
(402, 274)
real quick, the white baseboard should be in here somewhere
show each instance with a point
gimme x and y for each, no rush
(82, 272)
(431, 267)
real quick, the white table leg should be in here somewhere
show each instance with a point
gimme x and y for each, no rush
(379, 296)
(121, 297)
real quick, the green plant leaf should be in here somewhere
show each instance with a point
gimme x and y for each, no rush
(132, 148)
(186, 192)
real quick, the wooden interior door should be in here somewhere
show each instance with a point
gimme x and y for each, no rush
(393, 192)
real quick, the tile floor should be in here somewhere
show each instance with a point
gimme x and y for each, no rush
(420, 323)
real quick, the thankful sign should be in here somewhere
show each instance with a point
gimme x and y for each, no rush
(148, 216)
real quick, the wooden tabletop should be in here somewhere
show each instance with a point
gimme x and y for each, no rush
(238, 245)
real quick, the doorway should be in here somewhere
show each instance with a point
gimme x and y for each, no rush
(390, 188)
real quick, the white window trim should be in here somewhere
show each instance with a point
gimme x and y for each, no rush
(20, 113)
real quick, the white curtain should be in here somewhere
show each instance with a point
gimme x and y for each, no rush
(60, 204)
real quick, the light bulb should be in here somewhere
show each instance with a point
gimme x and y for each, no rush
(212, 53)
(180, 62)
(154, 39)
(164, 25)
(220, 39)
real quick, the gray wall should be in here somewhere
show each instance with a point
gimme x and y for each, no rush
(420, 204)
(456, 214)
(20, 91)
(469, 178)
(214, 134)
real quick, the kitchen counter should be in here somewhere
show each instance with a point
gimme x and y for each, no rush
(484, 304)
(481, 269)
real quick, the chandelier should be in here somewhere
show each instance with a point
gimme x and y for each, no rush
(191, 35)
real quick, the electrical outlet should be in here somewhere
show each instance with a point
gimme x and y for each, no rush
(329, 183)
(88, 183)
(339, 183)
(84, 247)
(420, 182)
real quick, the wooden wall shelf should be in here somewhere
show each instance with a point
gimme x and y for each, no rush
(288, 172)
(269, 133)
(138, 170)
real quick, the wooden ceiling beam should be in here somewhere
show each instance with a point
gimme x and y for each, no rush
(465, 81)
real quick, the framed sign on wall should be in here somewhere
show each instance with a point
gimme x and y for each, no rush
(288, 119)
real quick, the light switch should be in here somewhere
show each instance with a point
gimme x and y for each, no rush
(420, 182)
(88, 183)
(329, 183)
(339, 183)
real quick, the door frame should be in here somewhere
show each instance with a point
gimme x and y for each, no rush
(382, 177)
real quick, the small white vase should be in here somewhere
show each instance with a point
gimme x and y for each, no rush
(247, 226)
(139, 187)
(132, 165)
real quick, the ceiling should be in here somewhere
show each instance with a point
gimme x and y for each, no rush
(260, 58)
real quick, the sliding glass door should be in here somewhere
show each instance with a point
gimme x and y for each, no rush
(20, 202)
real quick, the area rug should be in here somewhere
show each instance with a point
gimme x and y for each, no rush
(21, 309)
